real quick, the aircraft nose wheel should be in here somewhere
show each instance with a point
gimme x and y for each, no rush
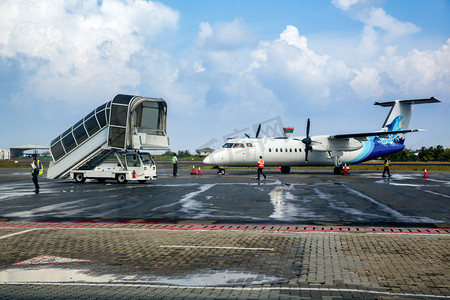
(221, 171)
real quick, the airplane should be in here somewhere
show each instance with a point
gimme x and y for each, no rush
(322, 150)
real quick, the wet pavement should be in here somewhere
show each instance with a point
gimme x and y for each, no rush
(304, 197)
(307, 235)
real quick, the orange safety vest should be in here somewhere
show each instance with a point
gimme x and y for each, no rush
(261, 163)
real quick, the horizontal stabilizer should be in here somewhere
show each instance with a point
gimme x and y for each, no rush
(377, 133)
(413, 101)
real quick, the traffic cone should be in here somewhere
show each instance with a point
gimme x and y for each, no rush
(199, 171)
(193, 171)
(345, 169)
(425, 175)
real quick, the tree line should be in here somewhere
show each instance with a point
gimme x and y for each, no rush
(437, 153)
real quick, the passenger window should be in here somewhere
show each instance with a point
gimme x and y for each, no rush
(276, 149)
(290, 149)
(295, 149)
(270, 150)
(285, 149)
(281, 149)
(299, 150)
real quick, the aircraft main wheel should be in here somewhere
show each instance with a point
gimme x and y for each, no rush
(79, 177)
(121, 178)
(285, 170)
(337, 170)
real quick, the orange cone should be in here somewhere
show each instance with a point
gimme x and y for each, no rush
(193, 171)
(345, 169)
(425, 175)
(199, 171)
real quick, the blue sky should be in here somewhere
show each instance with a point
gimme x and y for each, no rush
(224, 66)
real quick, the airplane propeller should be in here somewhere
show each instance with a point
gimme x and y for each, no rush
(307, 140)
(257, 132)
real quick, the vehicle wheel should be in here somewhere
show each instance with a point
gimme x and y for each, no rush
(142, 181)
(222, 172)
(79, 177)
(121, 178)
(101, 180)
(337, 170)
(285, 170)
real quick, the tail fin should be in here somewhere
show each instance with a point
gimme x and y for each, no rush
(400, 115)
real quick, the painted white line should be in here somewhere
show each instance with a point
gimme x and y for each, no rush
(216, 247)
(186, 288)
(17, 233)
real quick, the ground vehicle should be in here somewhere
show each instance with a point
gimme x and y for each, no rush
(126, 123)
(129, 166)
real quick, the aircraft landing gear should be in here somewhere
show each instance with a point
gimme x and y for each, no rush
(285, 170)
(221, 171)
(337, 170)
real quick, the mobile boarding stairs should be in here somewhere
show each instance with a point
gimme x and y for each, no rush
(125, 123)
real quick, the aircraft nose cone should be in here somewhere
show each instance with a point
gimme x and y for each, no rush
(207, 160)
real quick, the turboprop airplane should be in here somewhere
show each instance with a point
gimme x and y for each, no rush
(321, 150)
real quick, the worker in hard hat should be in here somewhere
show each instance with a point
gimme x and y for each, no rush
(387, 164)
(261, 167)
(175, 164)
(36, 169)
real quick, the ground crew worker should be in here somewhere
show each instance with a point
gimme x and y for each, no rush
(175, 164)
(261, 167)
(387, 163)
(36, 169)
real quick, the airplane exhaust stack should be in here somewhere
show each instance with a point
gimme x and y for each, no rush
(288, 131)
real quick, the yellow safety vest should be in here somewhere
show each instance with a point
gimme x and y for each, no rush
(387, 163)
(39, 165)
(174, 159)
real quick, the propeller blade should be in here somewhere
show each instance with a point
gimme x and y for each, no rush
(247, 135)
(307, 140)
(258, 130)
(308, 124)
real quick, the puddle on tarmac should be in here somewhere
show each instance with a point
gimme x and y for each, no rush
(55, 275)
(219, 279)
(51, 275)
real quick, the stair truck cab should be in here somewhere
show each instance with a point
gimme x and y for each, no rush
(120, 129)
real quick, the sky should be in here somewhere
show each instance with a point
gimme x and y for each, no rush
(225, 66)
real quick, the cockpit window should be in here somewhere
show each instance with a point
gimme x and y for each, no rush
(238, 145)
(228, 145)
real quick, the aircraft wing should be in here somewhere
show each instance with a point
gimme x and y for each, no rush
(376, 133)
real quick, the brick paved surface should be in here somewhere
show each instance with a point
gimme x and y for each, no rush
(244, 264)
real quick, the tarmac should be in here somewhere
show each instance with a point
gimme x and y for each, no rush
(129, 254)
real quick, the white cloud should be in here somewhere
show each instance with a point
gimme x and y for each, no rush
(345, 4)
(72, 49)
(393, 27)
(419, 72)
(366, 83)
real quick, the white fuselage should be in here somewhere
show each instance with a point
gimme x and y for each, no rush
(279, 152)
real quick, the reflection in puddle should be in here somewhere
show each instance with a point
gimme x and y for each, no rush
(219, 279)
(55, 275)
(50, 275)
